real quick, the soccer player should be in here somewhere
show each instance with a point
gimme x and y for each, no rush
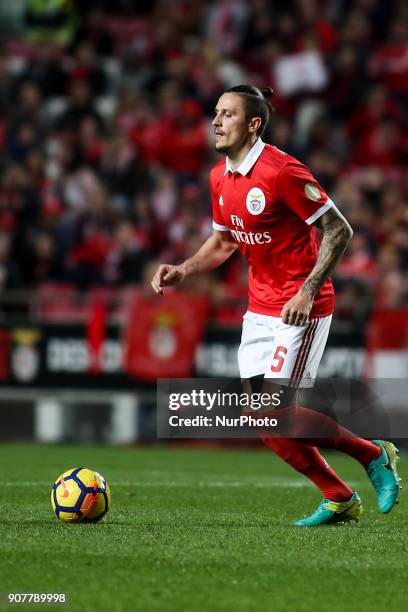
(266, 204)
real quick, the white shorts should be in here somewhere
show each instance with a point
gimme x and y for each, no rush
(275, 350)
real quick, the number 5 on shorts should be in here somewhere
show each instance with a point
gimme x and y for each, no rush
(278, 358)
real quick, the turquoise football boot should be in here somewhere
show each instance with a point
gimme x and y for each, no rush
(384, 477)
(329, 512)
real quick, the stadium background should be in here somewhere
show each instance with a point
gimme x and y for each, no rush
(106, 144)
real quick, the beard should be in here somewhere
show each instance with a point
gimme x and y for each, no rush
(221, 148)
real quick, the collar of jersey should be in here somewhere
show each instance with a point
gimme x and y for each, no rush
(249, 161)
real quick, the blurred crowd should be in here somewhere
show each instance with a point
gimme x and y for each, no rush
(106, 142)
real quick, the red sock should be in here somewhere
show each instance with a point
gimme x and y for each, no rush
(362, 450)
(308, 461)
(316, 429)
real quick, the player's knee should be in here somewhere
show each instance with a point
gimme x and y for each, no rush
(287, 397)
(260, 385)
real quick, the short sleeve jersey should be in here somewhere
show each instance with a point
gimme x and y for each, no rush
(268, 205)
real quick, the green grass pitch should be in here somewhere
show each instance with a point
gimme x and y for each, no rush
(196, 530)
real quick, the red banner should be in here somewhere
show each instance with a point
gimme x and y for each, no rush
(162, 334)
(387, 344)
(96, 334)
(388, 329)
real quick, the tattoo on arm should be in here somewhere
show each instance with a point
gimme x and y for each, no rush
(337, 234)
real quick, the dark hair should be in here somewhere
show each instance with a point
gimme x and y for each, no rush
(255, 103)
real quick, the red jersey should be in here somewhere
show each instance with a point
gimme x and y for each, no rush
(268, 204)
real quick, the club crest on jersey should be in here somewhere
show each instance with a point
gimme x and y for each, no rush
(255, 201)
(312, 192)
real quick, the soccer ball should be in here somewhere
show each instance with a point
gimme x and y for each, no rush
(80, 495)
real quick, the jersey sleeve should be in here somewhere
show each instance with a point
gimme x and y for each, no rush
(218, 221)
(298, 188)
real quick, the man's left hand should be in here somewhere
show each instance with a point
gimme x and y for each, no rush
(297, 310)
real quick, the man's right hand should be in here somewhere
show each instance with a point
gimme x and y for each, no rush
(165, 276)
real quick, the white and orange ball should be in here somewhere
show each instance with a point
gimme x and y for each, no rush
(80, 495)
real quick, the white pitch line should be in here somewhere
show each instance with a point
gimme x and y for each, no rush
(292, 484)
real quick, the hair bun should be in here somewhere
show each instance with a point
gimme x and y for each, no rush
(267, 92)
